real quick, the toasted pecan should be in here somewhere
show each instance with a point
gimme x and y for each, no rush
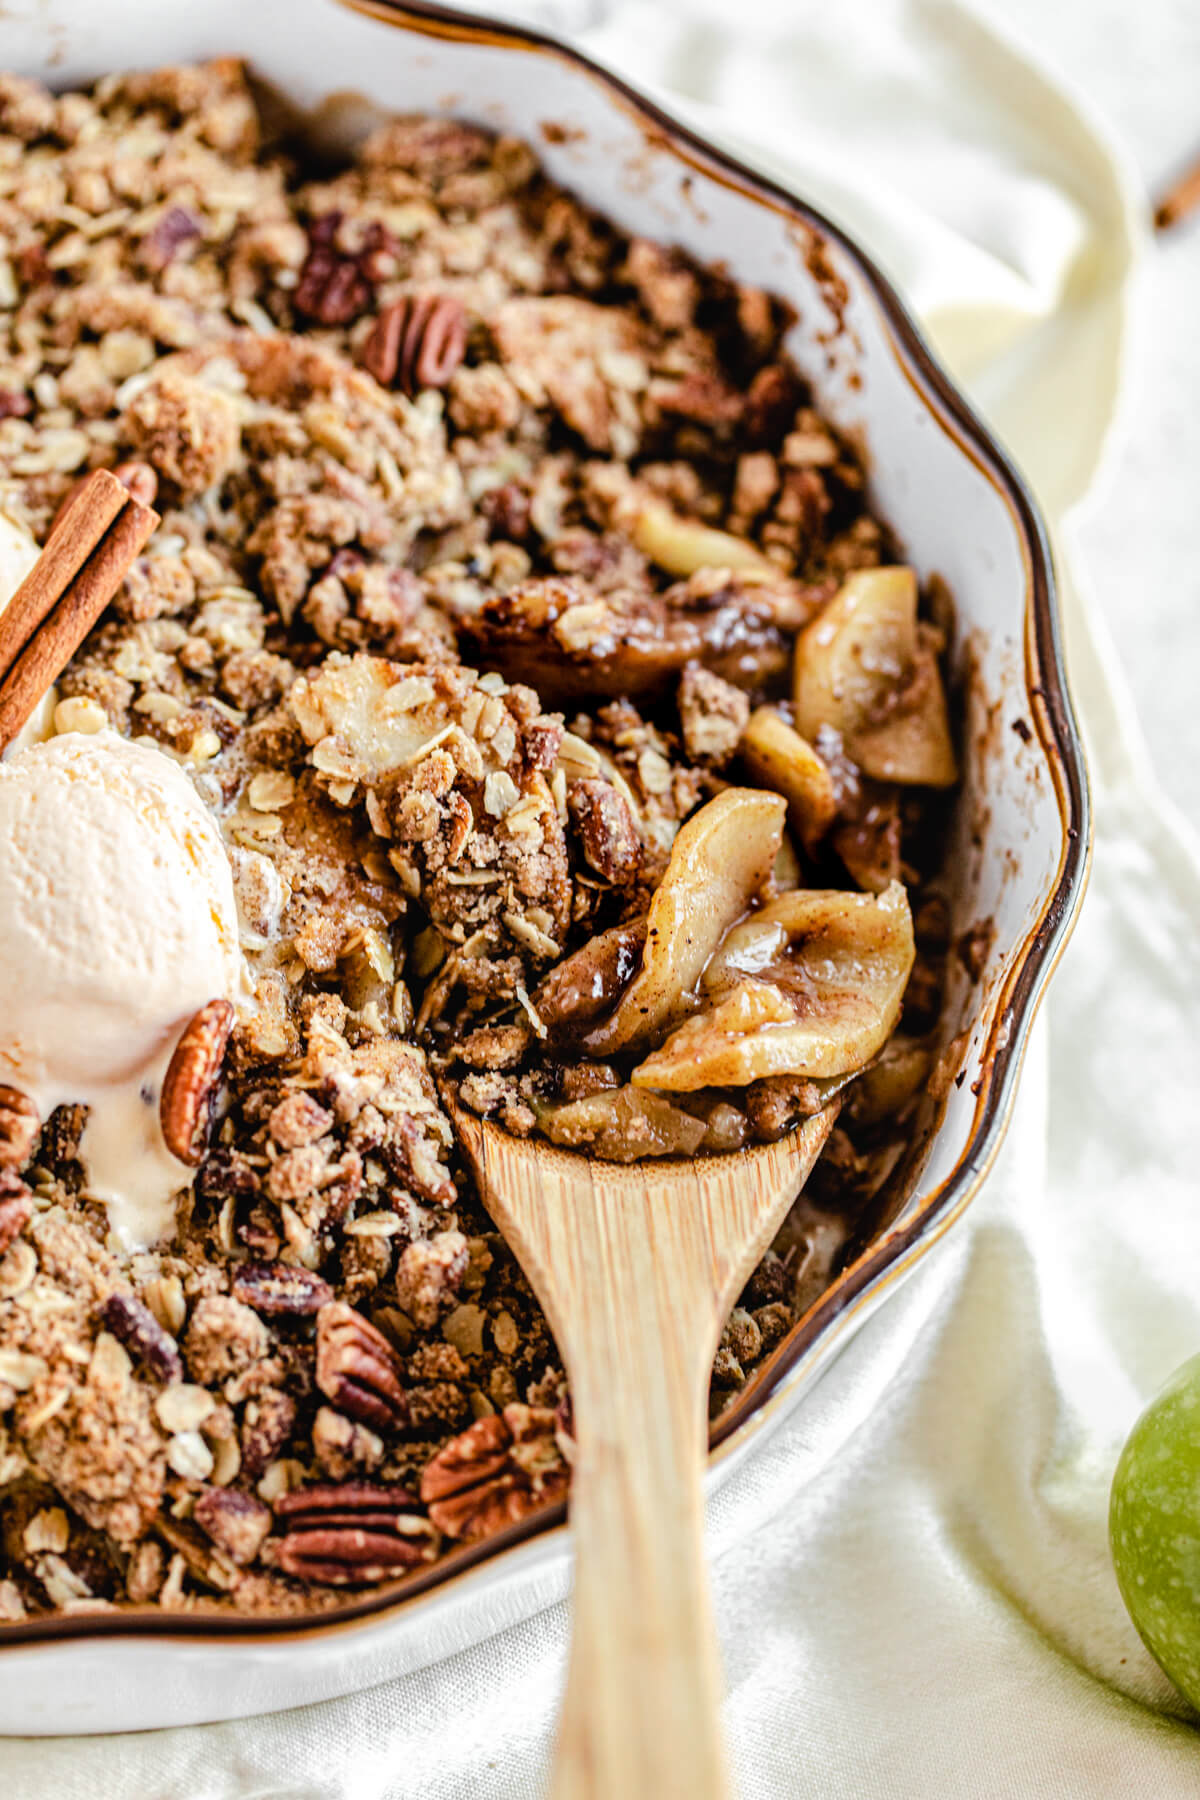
(191, 1080)
(358, 1370)
(278, 1288)
(353, 1533)
(137, 1328)
(19, 1127)
(417, 342)
(496, 1472)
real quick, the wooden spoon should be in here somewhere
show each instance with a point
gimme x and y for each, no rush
(637, 1268)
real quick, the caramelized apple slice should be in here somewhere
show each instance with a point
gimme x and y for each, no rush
(681, 545)
(623, 1125)
(787, 873)
(574, 645)
(911, 743)
(898, 1076)
(784, 761)
(720, 861)
(863, 667)
(810, 986)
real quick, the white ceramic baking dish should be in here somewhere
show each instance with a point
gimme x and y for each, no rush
(1020, 842)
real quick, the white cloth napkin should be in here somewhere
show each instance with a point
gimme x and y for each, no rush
(912, 1582)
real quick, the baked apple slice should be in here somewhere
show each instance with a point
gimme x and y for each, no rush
(721, 860)
(867, 667)
(681, 545)
(811, 985)
(624, 1124)
(573, 645)
(784, 761)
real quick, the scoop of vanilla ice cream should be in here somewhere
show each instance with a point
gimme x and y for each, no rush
(18, 553)
(117, 923)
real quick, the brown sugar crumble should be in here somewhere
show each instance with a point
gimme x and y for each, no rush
(493, 547)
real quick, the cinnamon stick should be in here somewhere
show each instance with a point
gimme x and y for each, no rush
(91, 547)
(87, 515)
(1180, 199)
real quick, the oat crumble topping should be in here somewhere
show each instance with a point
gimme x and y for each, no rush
(490, 538)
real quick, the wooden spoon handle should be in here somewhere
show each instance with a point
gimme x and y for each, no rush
(641, 1718)
(637, 1269)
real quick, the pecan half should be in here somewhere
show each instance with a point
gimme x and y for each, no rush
(336, 286)
(186, 1103)
(237, 1523)
(19, 1127)
(259, 1232)
(417, 342)
(276, 1288)
(266, 1428)
(135, 1326)
(610, 839)
(495, 1472)
(358, 1369)
(353, 1533)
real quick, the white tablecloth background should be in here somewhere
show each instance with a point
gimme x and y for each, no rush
(931, 1611)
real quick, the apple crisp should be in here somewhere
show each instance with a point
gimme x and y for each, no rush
(577, 738)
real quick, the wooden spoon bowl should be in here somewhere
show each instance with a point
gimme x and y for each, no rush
(637, 1267)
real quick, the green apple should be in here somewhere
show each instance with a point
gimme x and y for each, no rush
(1154, 1528)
